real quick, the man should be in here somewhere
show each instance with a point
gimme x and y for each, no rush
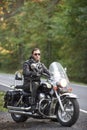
(32, 71)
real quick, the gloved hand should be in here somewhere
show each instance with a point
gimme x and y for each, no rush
(36, 74)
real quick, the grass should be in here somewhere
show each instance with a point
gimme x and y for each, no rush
(2, 101)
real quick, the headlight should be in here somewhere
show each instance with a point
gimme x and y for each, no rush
(48, 85)
(63, 83)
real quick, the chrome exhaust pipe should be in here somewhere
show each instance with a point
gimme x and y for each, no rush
(19, 112)
(19, 108)
(35, 115)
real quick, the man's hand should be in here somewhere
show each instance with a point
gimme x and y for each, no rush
(36, 74)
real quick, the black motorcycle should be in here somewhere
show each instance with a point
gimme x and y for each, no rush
(54, 100)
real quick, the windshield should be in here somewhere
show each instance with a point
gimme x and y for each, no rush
(57, 72)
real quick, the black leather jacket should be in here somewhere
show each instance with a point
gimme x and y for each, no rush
(29, 73)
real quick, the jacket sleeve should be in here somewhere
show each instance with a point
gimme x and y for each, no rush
(27, 71)
(46, 71)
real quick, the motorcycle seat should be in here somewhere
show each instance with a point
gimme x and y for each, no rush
(26, 93)
(19, 86)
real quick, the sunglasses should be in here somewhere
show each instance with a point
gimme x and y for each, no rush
(37, 54)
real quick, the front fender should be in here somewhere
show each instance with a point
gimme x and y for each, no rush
(69, 95)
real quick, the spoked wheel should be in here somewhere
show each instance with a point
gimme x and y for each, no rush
(70, 114)
(18, 117)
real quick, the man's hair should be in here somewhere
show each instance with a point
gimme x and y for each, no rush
(35, 49)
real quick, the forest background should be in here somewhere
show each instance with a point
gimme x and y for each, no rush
(57, 27)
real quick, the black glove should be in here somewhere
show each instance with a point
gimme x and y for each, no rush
(36, 74)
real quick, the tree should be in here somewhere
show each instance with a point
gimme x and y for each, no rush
(59, 30)
(76, 46)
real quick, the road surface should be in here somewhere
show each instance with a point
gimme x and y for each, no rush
(6, 123)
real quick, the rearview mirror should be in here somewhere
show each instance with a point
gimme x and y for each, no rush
(18, 75)
(65, 69)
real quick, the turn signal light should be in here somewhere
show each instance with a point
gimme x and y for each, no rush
(69, 89)
(55, 88)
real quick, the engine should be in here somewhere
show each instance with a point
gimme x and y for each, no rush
(44, 104)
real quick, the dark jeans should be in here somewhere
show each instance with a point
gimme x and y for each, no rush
(35, 86)
(32, 87)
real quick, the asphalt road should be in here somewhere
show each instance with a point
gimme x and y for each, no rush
(38, 124)
(6, 123)
(81, 92)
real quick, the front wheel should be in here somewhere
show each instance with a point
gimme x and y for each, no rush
(69, 116)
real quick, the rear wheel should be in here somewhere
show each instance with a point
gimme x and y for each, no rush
(19, 118)
(70, 114)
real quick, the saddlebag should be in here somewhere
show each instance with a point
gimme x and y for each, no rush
(11, 96)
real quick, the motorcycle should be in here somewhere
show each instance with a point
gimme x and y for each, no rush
(54, 101)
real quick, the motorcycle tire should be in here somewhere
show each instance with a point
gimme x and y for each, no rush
(70, 114)
(19, 118)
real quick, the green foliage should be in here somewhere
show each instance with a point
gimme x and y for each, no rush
(59, 30)
(75, 48)
(2, 101)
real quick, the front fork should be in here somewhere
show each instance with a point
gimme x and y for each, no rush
(58, 97)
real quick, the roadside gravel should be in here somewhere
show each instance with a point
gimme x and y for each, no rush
(6, 123)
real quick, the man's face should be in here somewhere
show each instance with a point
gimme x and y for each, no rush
(36, 55)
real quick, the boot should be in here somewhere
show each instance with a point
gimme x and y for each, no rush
(33, 104)
(33, 107)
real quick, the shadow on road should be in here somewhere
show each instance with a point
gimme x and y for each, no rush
(31, 124)
(6, 123)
